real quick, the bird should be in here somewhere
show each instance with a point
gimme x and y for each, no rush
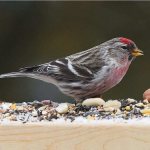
(86, 74)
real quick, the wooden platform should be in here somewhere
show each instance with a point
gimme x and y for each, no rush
(74, 136)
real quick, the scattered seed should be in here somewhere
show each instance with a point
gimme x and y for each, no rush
(128, 108)
(130, 100)
(111, 109)
(139, 105)
(145, 101)
(19, 108)
(93, 102)
(13, 107)
(62, 108)
(112, 103)
(146, 95)
(145, 111)
(46, 111)
(5, 106)
(34, 113)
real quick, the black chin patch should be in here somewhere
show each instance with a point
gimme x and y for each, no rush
(130, 48)
(131, 58)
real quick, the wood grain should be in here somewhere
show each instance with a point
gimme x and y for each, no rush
(75, 137)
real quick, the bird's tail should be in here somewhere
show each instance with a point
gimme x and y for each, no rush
(14, 74)
(29, 75)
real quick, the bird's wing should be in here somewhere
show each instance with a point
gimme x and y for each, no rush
(92, 59)
(61, 70)
(81, 66)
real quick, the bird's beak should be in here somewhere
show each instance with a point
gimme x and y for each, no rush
(136, 52)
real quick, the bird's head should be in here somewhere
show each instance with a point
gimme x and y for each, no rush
(124, 48)
(130, 47)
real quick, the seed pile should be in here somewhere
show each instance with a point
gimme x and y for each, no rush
(90, 109)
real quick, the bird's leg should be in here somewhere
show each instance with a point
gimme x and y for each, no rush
(78, 102)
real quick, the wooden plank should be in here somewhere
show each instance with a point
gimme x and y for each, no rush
(74, 136)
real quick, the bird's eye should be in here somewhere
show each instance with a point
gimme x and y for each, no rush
(124, 47)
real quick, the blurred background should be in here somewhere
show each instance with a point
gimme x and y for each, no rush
(37, 32)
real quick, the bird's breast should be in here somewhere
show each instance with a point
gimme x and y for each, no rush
(111, 78)
(116, 75)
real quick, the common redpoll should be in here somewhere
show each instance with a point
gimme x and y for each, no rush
(88, 73)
